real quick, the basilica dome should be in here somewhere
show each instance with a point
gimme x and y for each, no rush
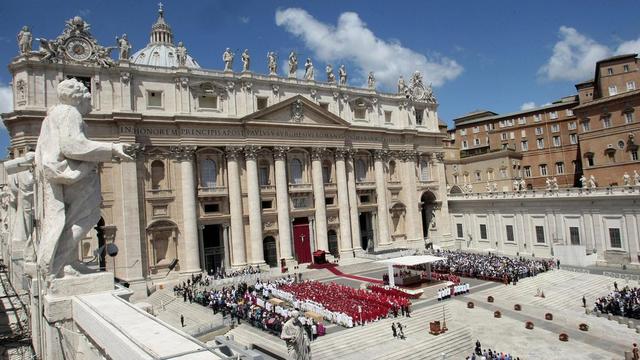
(161, 51)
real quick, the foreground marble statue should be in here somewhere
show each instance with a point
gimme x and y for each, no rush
(298, 344)
(20, 179)
(66, 169)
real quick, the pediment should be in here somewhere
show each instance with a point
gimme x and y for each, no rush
(296, 111)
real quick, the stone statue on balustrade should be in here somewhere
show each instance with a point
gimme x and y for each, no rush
(20, 180)
(636, 178)
(296, 337)
(547, 182)
(293, 64)
(246, 60)
(308, 70)
(402, 86)
(487, 187)
(227, 58)
(331, 78)
(516, 185)
(626, 179)
(592, 182)
(583, 182)
(124, 46)
(272, 63)
(68, 182)
(494, 187)
(342, 74)
(371, 80)
(181, 54)
(554, 184)
(25, 39)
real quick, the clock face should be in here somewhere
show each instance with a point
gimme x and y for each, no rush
(78, 49)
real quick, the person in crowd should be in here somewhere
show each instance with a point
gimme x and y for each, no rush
(393, 330)
(622, 302)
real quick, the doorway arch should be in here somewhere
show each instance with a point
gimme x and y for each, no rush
(428, 207)
(270, 251)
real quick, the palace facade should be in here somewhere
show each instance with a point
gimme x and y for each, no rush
(240, 168)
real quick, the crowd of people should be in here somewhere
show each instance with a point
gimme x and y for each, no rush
(220, 273)
(453, 290)
(361, 306)
(490, 266)
(488, 354)
(621, 301)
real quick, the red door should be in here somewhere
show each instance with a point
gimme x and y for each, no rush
(301, 241)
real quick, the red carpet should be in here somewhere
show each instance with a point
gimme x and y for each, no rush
(321, 266)
(354, 277)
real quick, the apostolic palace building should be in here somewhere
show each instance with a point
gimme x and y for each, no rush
(236, 167)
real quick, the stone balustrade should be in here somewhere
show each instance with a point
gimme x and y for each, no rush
(541, 194)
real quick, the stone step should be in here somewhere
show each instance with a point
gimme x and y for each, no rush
(249, 336)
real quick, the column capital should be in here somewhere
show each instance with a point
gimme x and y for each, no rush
(341, 153)
(380, 154)
(251, 152)
(280, 152)
(136, 150)
(317, 153)
(233, 152)
(183, 152)
(408, 155)
(438, 156)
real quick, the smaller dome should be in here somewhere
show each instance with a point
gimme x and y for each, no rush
(160, 54)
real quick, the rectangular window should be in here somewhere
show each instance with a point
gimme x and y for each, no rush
(634, 155)
(387, 116)
(476, 129)
(262, 102)
(154, 99)
(606, 121)
(573, 138)
(540, 143)
(609, 71)
(628, 117)
(478, 176)
(614, 238)
(571, 125)
(543, 169)
(569, 112)
(527, 171)
(503, 136)
(555, 128)
(483, 231)
(574, 235)
(553, 115)
(510, 233)
(208, 102)
(503, 173)
(459, 231)
(328, 200)
(522, 120)
(419, 116)
(465, 144)
(540, 234)
(613, 90)
(512, 135)
(211, 208)
(631, 85)
(536, 118)
(559, 168)
(556, 141)
(539, 131)
(463, 131)
(590, 160)
(263, 176)
(524, 145)
(360, 113)
(299, 203)
(476, 141)
(586, 126)
(625, 68)
(266, 204)
(523, 133)
(364, 199)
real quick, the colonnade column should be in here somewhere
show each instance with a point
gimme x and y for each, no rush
(238, 255)
(256, 255)
(353, 201)
(444, 222)
(343, 203)
(409, 195)
(190, 238)
(282, 201)
(381, 192)
(318, 196)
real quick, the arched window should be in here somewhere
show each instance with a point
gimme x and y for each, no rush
(326, 171)
(361, 170)
(424, 170)
(157, 174)
(208, 173)
(296, 171)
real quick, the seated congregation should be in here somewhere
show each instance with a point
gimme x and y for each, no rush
(621, 302)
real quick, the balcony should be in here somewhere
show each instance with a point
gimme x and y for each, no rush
(159, 194)
(300, 188)
(394, 185)
(365, 185)
(331, 187)
(267, 189)
(212, 191)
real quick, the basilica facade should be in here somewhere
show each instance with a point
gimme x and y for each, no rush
(236, 168)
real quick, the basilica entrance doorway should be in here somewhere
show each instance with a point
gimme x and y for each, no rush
(213, 247)
(301, 240)
(366, 231)
(270, 251)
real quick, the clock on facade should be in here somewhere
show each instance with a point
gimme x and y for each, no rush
(78, 49)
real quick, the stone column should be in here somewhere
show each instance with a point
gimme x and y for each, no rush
(238, 255)
(227, 251)
(381, 192)
(413, 225)
(318, 195)
(353, 201)
(190, 239)
(256, 254)
(282, 201)
(444, 224)
(343, 203)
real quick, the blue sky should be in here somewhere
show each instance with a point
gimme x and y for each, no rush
(498, 55)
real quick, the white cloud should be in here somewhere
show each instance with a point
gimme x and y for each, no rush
(528, 105)
(575, 55)
(352, 40)
(6, 101)
(244, 19)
